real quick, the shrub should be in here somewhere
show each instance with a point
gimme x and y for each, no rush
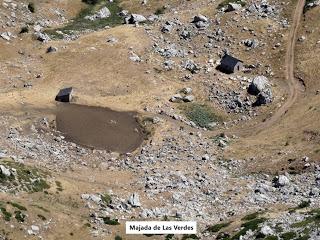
(109, 221)
(159, 11)
(251, 225)
(304, 204)
(92, 2)
(19, 216)
(6, 215)
(24, 29)
(31, 7)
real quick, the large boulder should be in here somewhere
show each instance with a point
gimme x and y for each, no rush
(233, 7)
(263, 98)
(251, 43)
(261, 88)
(42, 37)
(281, 181)
(134, 200)
(5, 171)
(6, 36)
(201, 21)
(258, 85)
(266, 231)
(135, 18)
(200, 18)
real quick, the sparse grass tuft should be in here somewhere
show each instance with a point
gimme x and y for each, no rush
(59, 186)
(147, 126)
(106, 199)
(43, 218)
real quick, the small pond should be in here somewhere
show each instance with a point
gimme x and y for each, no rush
(99, 128)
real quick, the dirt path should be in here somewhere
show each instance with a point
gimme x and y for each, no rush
(293, 84)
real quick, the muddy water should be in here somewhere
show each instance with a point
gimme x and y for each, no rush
(99, 128)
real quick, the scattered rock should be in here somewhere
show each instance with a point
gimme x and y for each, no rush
(135, 18)
(281, 181)
(51, 49)
(134, 200)
(6, 36)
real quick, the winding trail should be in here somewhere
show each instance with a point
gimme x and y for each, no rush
(293, 84)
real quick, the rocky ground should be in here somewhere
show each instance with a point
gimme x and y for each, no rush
(211, 152)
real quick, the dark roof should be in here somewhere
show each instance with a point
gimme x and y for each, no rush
(229, 60)
(65, 92)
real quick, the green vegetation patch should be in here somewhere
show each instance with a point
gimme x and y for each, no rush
(271, 238)
(252, 225)
(306, 237)
(304, 204)
(18, 206)
(313, 219)
(6, 215)
(80, 24)
(251, 216)
(202, 115)
(109, 221)
(217, 227)
(189, 236)
(19, 216)
(288, 235)
(106, 199)
(25, 178)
